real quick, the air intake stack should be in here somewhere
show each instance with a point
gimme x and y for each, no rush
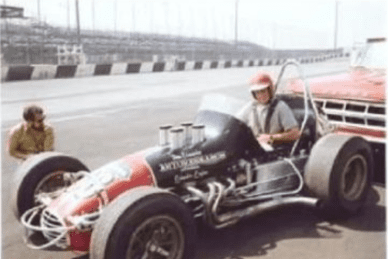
(177, 138)
(164, 135)
(198, 134)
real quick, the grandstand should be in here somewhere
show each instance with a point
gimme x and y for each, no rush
(27, 41)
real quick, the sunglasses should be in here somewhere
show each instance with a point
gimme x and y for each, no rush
(40, 120)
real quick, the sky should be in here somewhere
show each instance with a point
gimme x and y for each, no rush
(281, 24)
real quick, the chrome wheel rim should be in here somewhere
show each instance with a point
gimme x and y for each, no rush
(52, 185)
(158, 237)
(354, 178)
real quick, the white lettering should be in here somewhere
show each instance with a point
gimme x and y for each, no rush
(193, 162)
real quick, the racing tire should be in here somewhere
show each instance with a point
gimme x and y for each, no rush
(339, 172)
(145, 220)
(35, 172)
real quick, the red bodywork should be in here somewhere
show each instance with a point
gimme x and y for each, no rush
(358, 86)
(355, 85)
(71, 205)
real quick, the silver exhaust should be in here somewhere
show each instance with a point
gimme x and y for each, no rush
(265, 206)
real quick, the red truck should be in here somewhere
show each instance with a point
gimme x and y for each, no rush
(354, 102)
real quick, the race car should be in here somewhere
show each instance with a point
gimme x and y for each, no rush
(212, 169)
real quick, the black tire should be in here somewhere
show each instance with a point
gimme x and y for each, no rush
(339, 172)
(133, 215)
(43, 168)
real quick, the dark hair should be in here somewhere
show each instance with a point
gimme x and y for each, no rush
(30, 112)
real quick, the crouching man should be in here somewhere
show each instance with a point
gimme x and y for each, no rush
(31, 136)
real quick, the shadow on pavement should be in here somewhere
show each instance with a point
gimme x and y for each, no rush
(371, 218)
(258, 236)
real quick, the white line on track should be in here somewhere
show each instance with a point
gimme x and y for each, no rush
(97, 114)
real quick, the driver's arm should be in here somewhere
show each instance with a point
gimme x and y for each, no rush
(285, 117)
(285, 137)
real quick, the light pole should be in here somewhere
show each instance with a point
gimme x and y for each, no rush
(133, 17)
(42, 36)
(7, 35)
(336, 25)
(115, 17)
(236, 23)
(78, 25)
(93, 17)
(68, 16)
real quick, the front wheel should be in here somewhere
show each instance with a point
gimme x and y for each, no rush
(46, 174)
(145, 222)
(339, 172)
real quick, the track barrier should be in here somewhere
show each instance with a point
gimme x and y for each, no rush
(35, 72)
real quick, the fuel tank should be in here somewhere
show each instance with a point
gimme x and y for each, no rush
(226, 139)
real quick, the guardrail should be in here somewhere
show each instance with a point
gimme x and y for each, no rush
(34, 72)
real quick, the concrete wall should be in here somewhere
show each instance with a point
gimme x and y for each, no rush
(34, 72)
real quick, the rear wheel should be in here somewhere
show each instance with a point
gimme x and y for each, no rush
(339, 172)
(353, 177)
(145, 222)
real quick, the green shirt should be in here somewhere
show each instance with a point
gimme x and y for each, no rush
(24, 140)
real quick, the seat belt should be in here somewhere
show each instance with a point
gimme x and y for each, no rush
(256, 127)
(271, 109)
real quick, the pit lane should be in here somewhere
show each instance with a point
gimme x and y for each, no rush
(103, 118)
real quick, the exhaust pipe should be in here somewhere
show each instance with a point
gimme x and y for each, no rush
(229, 218)
(263, 207)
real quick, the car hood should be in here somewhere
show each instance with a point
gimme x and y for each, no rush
(358, 85)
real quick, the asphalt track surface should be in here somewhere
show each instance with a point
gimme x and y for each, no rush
(99, 119)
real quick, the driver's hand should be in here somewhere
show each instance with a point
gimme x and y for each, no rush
(264, 138)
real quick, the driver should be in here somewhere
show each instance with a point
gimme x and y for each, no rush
(270, 119)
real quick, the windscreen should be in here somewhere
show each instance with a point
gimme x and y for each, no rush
(372, 56)
(223, 104)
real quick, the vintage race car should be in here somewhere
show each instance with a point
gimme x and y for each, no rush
(147, 204)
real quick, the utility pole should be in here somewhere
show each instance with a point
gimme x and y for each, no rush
(68, 16)
(6, 27)
(166, 7)
(274, 35)
(236, 23)
(39, 10)
(336, 25)
(41, 29)
(150, 6)
(133, 17)
(78, 23)
(93, 17)
(115, 16)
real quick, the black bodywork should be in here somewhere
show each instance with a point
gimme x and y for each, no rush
(228, 141)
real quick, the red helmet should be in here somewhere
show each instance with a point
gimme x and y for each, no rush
(260, 81)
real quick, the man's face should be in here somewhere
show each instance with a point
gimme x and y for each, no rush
(262, 96)
(37, 123)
